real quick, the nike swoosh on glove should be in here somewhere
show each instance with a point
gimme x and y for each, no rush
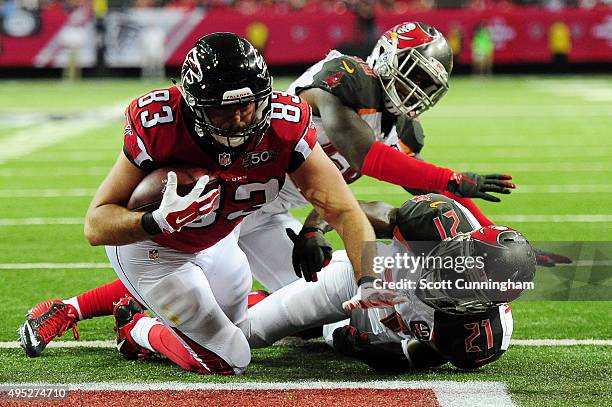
(176, 211)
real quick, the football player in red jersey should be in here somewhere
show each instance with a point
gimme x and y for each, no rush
(198, 280)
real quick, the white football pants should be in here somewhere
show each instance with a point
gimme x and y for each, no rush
(302, 305)
(204, 295)
(268, 248)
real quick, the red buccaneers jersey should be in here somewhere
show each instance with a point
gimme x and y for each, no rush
(157, 135)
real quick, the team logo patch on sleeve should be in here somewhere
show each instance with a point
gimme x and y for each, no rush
(334, 80)
(127, 131)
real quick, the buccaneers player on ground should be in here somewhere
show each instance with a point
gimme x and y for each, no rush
(468, 328)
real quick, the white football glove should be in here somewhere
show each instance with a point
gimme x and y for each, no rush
(369, 297)
(176, 211)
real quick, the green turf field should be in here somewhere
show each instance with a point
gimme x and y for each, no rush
(552, 134)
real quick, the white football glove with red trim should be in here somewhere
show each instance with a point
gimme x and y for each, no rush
(176, 211)
(370, 297)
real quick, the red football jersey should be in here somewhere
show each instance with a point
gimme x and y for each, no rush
(156, 135)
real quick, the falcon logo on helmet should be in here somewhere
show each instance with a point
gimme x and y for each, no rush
(191, 72)
(413, 62)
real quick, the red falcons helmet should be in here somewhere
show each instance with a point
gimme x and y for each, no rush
(413, 62)
(502, 260)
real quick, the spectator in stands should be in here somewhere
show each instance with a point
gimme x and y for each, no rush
(455, 41)
(482, 50)
(560, 45)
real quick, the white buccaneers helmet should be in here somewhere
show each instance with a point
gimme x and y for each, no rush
(413, 62)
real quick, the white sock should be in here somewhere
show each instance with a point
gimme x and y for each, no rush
(140, 332)
(75, 303)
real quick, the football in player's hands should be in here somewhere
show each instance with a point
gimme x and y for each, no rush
(147, 196)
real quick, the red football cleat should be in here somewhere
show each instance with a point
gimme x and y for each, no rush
(46, 321)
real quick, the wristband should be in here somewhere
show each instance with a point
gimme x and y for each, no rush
(366, 279)
(149, 224)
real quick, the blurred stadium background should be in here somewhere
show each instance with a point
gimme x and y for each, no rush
(545, 123)
(110, 37)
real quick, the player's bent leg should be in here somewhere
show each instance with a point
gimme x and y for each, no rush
(139, 337)
(49, 319)
(178, 292)
(198, 323)
(302, 305)
(268, 248)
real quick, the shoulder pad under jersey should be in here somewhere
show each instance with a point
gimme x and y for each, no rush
(351, 80)
(432, 217)
(152, 124)
(291, 122)
(411, 135)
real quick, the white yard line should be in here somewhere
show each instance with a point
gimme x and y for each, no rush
(16, 172)
(574, 218)
(486, 167)
(589, 90)
(563, 188)
(553, 218)
(46, 193)
(517, 342)
(39, 221)
(65, 344)
(94, 265)
(47, 266)
(24, 142)
(477, 166)
(498, 110)
(358, 190)
(561, 342)
(448, 393)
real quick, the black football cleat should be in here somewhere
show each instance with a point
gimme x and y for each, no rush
(127, 312)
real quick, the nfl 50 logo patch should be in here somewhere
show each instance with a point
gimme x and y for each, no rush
(258, 158)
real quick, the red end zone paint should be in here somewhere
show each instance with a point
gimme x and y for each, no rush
(254, 398)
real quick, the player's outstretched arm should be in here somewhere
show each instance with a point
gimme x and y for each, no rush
(322, 184)
(355, 140)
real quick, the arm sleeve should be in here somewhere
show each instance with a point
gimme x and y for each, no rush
(387, 164)
(471, 206)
